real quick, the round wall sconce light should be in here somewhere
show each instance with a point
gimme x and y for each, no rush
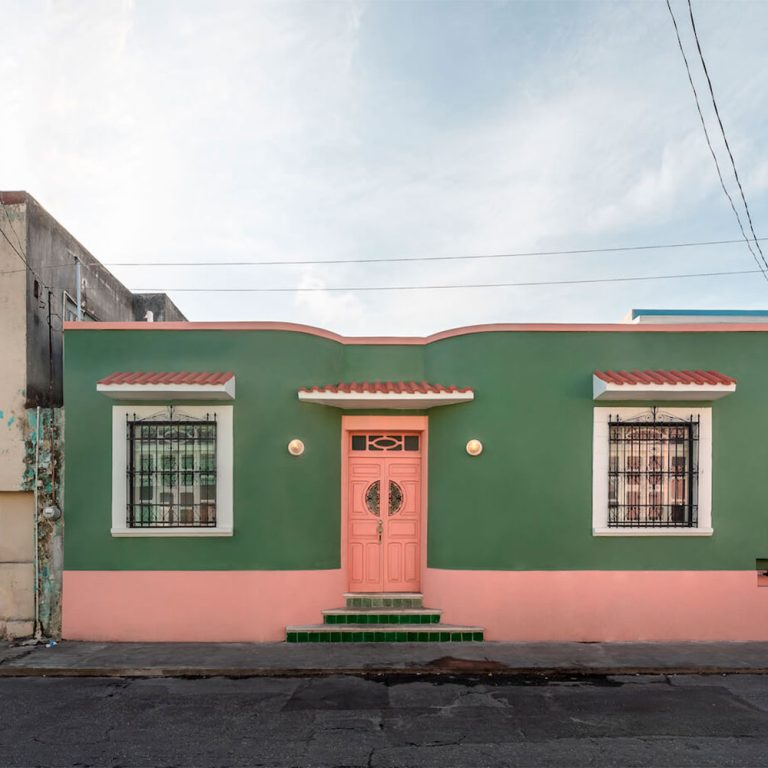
(474, 447)
(295, 447)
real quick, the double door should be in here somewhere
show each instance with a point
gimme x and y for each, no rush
(384, 517)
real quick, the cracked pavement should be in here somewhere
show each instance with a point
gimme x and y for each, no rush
(629, 720)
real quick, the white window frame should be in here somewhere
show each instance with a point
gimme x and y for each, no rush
(600, 452)
(224, 469)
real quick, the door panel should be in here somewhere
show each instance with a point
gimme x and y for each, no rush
(364, 549)
(394, 561)
(372, 563)
(356, 562)
(412, 562)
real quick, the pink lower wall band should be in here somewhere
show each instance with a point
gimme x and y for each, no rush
(523, 606)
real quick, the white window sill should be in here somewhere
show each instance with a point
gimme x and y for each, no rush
(652, 531)
(152, 532)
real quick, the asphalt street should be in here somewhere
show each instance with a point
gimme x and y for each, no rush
(350, 721)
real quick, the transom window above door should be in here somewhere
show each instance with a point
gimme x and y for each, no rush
(385, 442)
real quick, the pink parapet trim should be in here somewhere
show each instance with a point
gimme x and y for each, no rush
(186, 325)
(607, 606)
(419, 340)
(195, 606)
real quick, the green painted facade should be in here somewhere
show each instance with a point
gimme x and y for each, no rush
(524, 504)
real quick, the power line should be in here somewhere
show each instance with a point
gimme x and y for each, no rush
(396, 259)
(722, 131)
(10, 224)
(405, 259)
(20, 255)
(29, 269)
(709, 144)
(15, 249)
(449, 287)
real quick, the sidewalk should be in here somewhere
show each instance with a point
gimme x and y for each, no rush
(80, 659)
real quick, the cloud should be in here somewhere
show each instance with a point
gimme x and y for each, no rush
(331, 309)
(295, 131)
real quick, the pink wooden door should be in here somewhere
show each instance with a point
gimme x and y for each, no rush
(384, 498)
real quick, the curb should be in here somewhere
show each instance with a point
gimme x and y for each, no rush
(480, 670)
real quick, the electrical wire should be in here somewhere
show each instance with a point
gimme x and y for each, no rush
(722, 131)
(48, 289)
(394, 259)
(13, 229)
(405, 259)
(450, 287)
(14, 248)
(28, 268)
(709, 143)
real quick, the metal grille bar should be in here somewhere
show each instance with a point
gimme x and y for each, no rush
(171, 473)
(653, 472)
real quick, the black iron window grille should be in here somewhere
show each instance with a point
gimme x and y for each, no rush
(171, 472)
(653, 471)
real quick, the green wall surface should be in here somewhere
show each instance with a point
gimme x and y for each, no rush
(524, 504)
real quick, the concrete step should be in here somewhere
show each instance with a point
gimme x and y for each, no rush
(373, 616)
(383, 599)
(382, 633)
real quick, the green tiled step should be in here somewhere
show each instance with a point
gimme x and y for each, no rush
(383, 599)
(381, 616)
(404, 633)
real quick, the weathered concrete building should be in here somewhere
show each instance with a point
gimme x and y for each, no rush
(38, 291)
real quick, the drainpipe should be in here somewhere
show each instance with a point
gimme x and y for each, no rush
(79, 289)
(36, 588)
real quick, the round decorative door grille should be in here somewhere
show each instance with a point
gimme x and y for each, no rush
(373, 498)
(395, 498)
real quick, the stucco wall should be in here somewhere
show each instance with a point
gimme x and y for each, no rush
(524, 504)
(13, 339)
(517, 520)
(31, 377)
(16, 507)
(52, 252)
(17, 552)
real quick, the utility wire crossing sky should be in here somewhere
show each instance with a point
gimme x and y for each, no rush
(376, 154)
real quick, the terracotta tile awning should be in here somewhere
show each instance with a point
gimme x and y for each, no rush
(661, 385)
(385, 394)
(181, 385)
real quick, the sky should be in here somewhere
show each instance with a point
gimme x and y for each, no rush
(310, 131)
